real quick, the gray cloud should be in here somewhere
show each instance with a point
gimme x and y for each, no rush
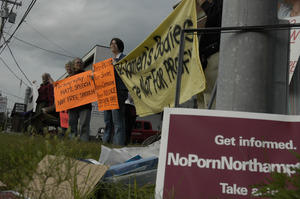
(77, 26)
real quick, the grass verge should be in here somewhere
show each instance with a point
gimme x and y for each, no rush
(21, 153)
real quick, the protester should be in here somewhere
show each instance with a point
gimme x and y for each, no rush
(69, 69)
(130, 117)
(115, 119)
(209, 48)
(296, 8)
(288, 8)
(83, 113)
(45, 102)
(70, 72)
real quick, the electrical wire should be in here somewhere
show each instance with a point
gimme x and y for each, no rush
(18, 26)
(61, 76)
(5, 89)
(17, 62)
(12, 71)
(49, 39)
(12, 95)
(12, 101)
(42, 48)
(24, 16)
(16, 13)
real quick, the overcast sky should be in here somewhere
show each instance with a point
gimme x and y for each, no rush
(72, 27)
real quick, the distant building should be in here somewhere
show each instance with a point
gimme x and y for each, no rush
(95, 55)
(27, 95)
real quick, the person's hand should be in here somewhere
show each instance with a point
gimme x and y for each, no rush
(201, 2)
(289, 1)
(44, 110)
(92, 77)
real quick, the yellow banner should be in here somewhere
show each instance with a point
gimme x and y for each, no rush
(150, 71)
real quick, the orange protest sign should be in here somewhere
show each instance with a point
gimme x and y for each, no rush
(74, 91)
(105, 85)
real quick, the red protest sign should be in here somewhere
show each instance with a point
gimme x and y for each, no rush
(104, 77)
(220, 154)
(64, 119)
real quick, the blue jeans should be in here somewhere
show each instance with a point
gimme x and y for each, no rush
(85, 116)
(115, 120)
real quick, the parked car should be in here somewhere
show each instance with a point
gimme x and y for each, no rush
(141, 131)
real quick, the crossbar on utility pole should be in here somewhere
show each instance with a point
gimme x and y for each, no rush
(13, 2)
(4, 6)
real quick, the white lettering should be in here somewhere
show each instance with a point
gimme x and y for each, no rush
(229, 163)
(220, 140)
(252, 142)
(234, 189)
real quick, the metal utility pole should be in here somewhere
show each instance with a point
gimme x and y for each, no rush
(253, 65)
(4, 13)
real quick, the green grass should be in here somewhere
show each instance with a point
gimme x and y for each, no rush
(280, 185)
(21, 153)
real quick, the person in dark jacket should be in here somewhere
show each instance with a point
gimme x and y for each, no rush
(45, 103)
(115, 119)
(83, 113)
(130, 117)
(209, 48)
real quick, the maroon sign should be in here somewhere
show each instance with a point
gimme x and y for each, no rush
(219, 154)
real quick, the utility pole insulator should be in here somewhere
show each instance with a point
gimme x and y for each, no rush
(12, 17)
(4, 13)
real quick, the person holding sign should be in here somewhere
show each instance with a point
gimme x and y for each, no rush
(115, 119)
(83, 113)
(288, 8)
(130, 117)
(69, 69)
(296, 8)
(209, 48)
(64, 117)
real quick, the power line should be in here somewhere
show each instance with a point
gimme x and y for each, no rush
(2, 88)
(6, 13)
(18, 26)
(5, 89)
(12, 71)
(17, 62)
(12, 24)
(23, 18)
(12, 95)
(11, 101)
(41, 47)
(61, 76)
(73, 56)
